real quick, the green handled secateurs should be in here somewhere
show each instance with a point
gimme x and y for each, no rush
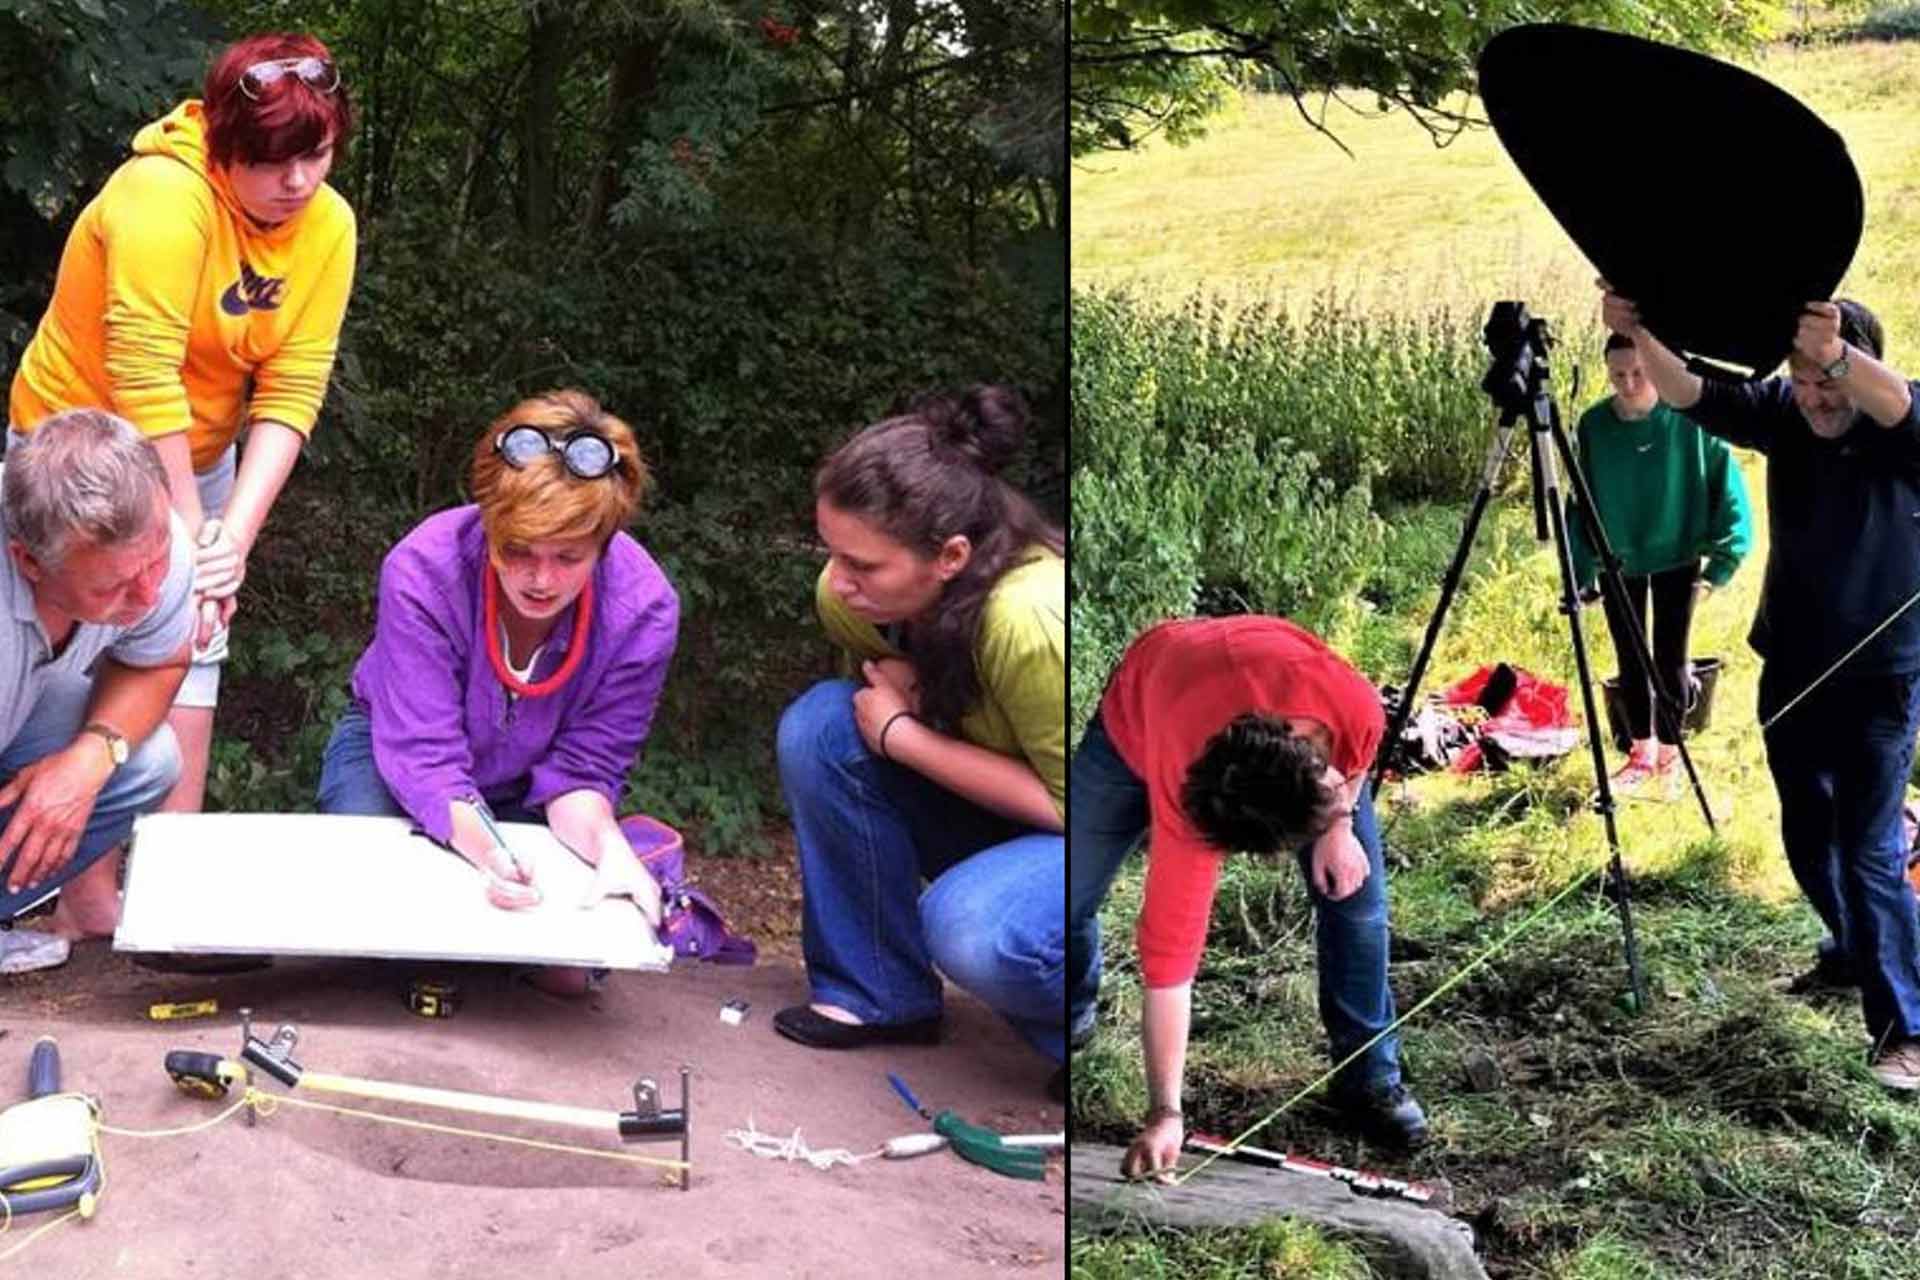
(976, 1145)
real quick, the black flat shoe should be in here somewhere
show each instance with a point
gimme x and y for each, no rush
(1831, 975)
(817, 1031)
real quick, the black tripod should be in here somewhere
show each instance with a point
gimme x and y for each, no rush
(1517, 381)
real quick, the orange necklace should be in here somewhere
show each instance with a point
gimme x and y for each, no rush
(576, 647)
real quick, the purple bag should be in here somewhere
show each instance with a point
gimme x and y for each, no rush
(691, 924)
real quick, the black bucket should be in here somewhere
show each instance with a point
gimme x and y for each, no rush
(1706, 674)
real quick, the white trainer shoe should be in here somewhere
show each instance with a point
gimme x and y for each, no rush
(24, 950)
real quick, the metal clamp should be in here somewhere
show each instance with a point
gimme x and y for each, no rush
(650, 1122)
(275, 1057)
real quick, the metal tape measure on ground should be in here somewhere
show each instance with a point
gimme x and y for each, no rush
(431, 999)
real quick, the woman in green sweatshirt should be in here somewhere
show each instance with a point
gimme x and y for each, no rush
(1669, 496)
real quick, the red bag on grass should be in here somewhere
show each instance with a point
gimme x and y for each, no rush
(1527, 717)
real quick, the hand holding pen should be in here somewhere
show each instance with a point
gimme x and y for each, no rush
(510, 887)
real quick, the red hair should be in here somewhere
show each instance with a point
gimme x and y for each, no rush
(546, 500)
(290, 119)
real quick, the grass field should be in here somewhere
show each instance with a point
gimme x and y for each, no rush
(1726, 1132)
(1266, 206)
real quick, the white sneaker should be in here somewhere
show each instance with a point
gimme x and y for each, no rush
(24, 950)
(1630, 778)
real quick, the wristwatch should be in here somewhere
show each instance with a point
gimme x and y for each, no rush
(1838, 369)
(116, 742)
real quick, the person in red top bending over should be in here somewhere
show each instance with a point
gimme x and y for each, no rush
(1219, 735)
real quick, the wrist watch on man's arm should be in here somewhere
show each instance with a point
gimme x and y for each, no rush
(116, 742)
(1839, 368)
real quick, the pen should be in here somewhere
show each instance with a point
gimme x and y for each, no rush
(486, 819)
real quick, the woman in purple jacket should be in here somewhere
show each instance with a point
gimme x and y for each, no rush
(518, 652)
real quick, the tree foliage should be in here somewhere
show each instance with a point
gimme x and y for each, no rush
(747, 226)
(77, 77)
(1146, 66)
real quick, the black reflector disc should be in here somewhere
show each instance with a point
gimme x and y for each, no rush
(1714, 199)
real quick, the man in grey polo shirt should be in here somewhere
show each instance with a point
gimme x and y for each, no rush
(94, 642)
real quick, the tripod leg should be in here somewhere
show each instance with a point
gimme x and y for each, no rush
(1570, 606)
(1666, 701)
(1489, 480)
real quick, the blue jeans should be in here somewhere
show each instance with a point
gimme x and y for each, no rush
(350, 782)
(1106, 818)
(1840, 761)
(136, 787)
(869, 831)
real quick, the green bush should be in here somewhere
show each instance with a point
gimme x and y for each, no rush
(1388, 398)
(1891, 22)
(1232, 461)
(77, 77)
(282, 690)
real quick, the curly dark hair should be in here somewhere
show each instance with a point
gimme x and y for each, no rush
(1258, 787)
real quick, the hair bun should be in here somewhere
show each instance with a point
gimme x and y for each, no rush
(986, 423)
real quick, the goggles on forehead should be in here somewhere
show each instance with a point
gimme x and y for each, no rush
(315, 73)
(586, 453)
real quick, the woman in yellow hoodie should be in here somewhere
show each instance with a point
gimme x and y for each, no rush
(200, 296)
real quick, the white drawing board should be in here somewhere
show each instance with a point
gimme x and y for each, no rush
(334, 885)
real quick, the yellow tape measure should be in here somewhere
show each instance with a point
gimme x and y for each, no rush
(183, 1009)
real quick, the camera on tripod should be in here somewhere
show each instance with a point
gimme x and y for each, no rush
(1515, 340)
(1518, 383)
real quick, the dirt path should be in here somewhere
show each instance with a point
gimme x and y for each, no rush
(308, 1194)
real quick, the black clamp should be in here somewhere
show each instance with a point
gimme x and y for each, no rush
(275, 1056)
(649, 1122)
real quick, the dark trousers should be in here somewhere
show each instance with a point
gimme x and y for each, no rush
(1672, 594)
(1839, 761)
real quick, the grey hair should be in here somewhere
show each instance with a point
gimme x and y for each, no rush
(83, 474)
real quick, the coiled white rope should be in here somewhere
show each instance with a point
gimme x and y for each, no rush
(771, 1147)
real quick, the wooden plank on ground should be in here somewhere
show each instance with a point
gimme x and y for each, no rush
(334, 885)
(1402, 1239)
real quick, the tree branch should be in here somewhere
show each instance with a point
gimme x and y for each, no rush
(1165, 55)
(861, 91)
(1318, 126)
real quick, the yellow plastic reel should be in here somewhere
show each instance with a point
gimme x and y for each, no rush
(58, 1127)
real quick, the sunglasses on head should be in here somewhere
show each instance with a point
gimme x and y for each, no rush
(586, 453)
(315, 73)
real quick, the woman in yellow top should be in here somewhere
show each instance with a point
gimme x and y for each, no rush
(200, 295)
(947, 762)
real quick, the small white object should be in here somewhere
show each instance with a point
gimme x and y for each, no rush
(734, 1012)
(919, 1144)
(1045, 1141)
(913, 1144)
